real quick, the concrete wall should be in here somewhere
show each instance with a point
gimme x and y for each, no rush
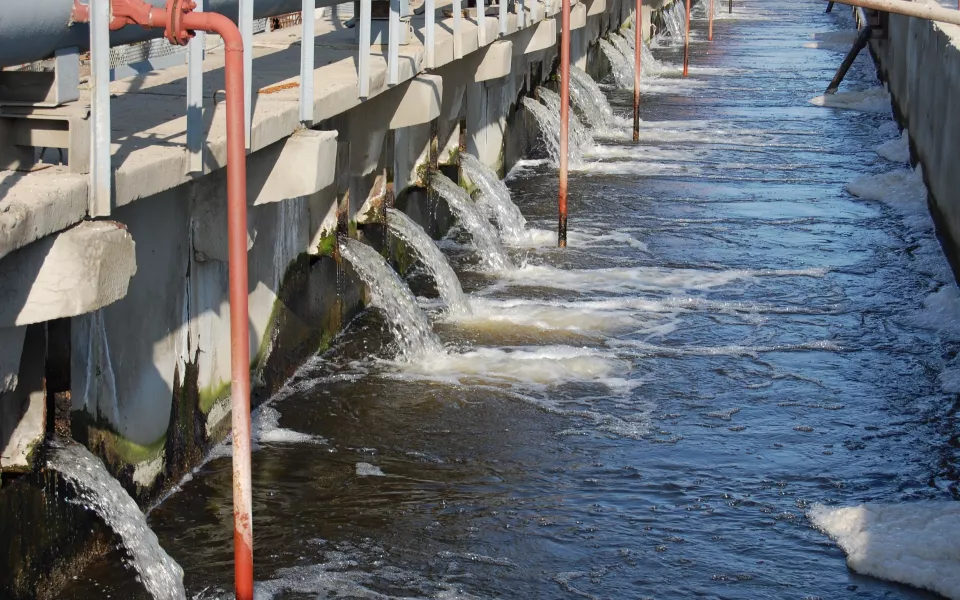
(920, 62)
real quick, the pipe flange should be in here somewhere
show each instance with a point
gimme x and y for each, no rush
(175, 32)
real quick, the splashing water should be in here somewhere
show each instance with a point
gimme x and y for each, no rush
(483, 232)
(675, 21)
(496, 198)
(621, 65)
(98, 491)
(586, 94)
(649, 64)
(579, 135)
(412, 330)
(448, 284)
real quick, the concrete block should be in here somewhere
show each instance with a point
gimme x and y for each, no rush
(578, 17)
(301, 165)
(11, 347)
(494, 61)
(596, 7)
(23, 411)
(68, 274)
(420, 102)
(533, 39)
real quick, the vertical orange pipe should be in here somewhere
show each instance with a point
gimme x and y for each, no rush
(239, 290)
(710, 31)
(686, 43)
(638, 45)
(564, 119)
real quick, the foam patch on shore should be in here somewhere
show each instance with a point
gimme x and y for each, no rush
(874, 100)
(915, 543)
(896, 150)
(902, 189)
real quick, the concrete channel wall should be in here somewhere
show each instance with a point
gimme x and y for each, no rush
(920, 62)
(137, 367)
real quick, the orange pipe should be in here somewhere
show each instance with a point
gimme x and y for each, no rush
(686, 43)
(128, 12)
(564, 119)
(710, 31)
(638, 47)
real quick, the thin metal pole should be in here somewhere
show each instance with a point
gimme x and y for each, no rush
(858, 45)
(100, 156)
(429, 14)
(195, 54)
(638, 46)
(686, 43)
(307, 55)
(246, 30)
(564, 118)
(730, 7)
(393, 43)
(363, 49)
(503, 16)
(829, 7)
(457, 39)
(710, 30)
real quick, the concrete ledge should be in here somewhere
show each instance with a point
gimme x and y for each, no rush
(301, 165)
(578, 17)
(540, 37)
(72, 273)
(495, 61)
(420, 102)
(596, 7)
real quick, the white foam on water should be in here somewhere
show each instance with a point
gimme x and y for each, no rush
(537, 367)
(264, 429)
(916, 543)
(940, 313)
(345, 575)
(621, 279)
(902, 189)
(367, 470)
(647, 349)
(599, 316)
(896, 150)
(949, 378)
(873, 100)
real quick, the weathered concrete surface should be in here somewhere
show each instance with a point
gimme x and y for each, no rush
(920, 62)
(23, 410)
(68, 274)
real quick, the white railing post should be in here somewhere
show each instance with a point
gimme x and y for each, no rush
(457, 40)
(246, 32)
(393, 44)
(363, 56)
(196, 50)
(308, 12)
(100, 156)
(428, 32)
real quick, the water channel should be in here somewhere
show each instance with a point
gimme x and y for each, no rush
(731, 339)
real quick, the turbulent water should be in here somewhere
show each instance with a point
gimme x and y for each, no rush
(675, 23)
(484, 235)
(433, 259)
(495, 198)
(580, 136)
(98, 491)
(411, 329)
(589, 98)
(739, 380)
(621, 65)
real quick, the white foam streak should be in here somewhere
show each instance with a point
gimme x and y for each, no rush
(916, 543)
(620, 279)
(873, 100)
(543, 366)
(896, 150)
